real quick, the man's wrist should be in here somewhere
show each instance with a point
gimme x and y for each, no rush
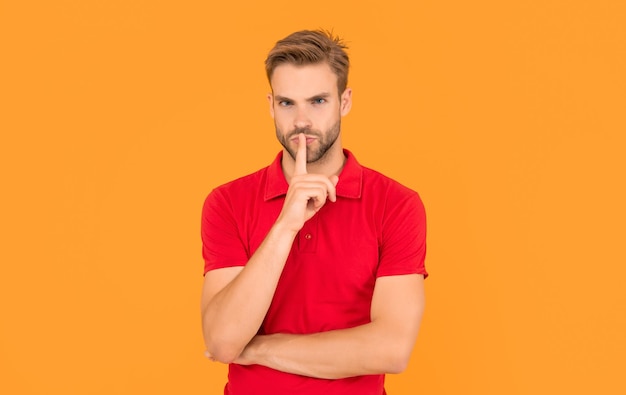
(280, 229)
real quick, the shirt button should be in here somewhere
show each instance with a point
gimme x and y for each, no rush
(308, 236)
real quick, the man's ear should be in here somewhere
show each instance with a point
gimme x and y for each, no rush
(270, 99)
(346, 102)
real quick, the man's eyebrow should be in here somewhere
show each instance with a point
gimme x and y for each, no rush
(281, 98)
(322, 95)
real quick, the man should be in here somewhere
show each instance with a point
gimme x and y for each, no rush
(314, 265)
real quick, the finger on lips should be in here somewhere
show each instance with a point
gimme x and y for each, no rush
(301, 155)
(300, 170)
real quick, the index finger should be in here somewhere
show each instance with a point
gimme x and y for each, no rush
(300, 167)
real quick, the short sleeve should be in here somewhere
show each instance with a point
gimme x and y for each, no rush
(222, 245)
(403, 247)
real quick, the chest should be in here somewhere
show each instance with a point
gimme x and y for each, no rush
(329, 277)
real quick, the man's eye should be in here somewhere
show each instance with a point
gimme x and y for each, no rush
(319, 100)
(284, 103)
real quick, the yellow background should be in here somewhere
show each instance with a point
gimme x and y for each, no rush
(118, 117)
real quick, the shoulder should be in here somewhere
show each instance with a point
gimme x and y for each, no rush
(394, 203)
(237, 189)
(253, 184)
(245, 182)
(381, 185)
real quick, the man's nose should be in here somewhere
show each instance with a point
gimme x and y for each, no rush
(302, 119)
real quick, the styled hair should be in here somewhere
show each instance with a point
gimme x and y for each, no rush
(311, 47)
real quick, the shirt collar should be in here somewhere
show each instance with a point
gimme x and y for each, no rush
(349, 185)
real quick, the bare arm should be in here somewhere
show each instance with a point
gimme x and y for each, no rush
(382, 346)
(236, 299)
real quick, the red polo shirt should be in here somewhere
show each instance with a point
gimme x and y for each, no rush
(375, 228)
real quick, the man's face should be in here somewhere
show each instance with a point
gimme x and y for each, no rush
(305, 99)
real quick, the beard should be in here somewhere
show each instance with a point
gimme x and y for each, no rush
(325, 141)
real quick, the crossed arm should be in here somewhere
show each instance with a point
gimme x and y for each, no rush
(382, 346)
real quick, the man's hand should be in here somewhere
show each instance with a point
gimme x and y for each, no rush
(307, 192)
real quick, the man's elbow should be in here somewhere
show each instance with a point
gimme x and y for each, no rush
(220, 348)
(399, 352)
(222, 352)
(398, 362)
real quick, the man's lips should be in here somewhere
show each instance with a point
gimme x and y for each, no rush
(309, 139)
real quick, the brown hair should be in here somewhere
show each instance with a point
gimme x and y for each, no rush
(311, 47)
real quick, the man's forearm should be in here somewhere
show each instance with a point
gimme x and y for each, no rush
(233, 316)
(374, 348)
